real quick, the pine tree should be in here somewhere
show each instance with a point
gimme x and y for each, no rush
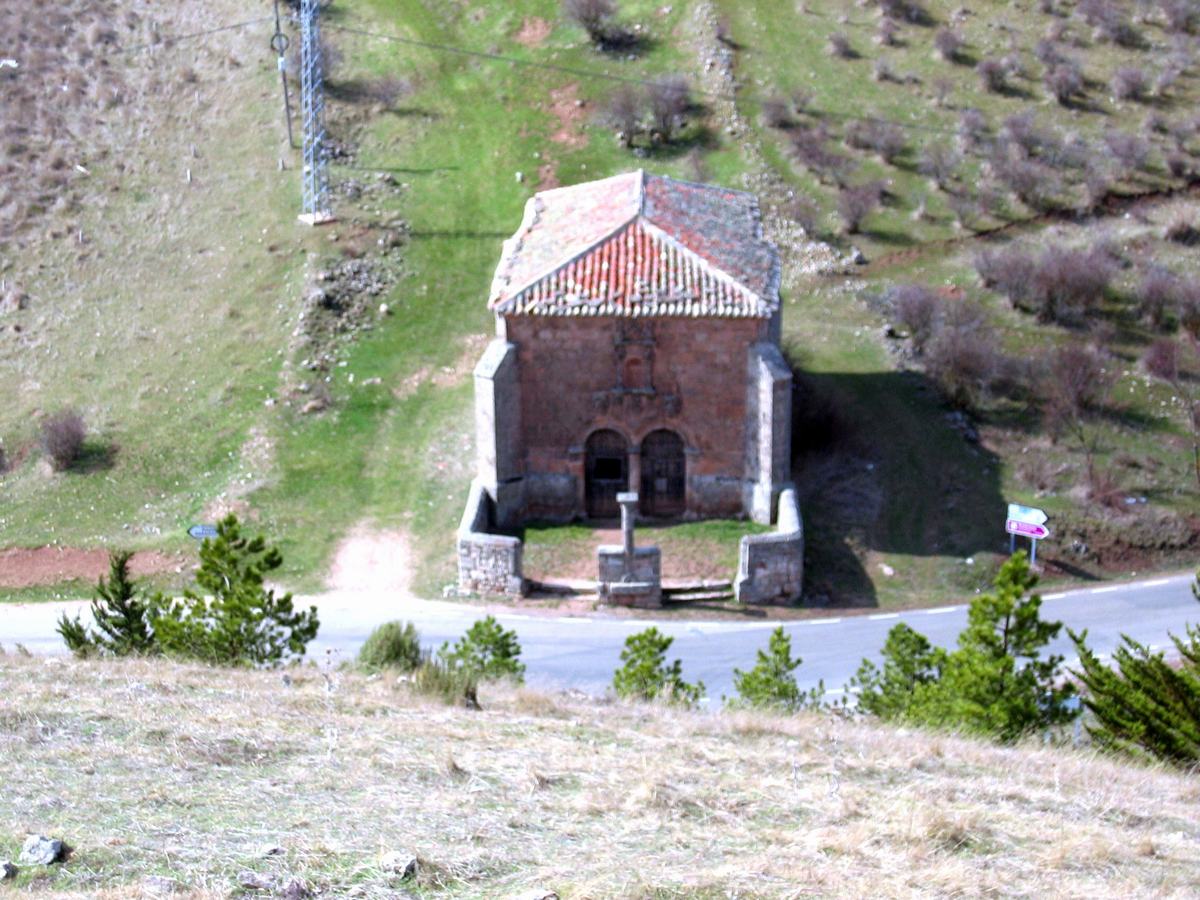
(996, 682)
(909, 661)
(1145, 706)
(122, 621)
(771, 684)
(241, 621)
(645, 675)
(488, 650)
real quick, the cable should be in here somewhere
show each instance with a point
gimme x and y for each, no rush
(605, 76)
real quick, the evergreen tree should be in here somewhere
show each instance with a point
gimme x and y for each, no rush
(240, 621)
(122, 621)
(771, 684)
(487, 650)
(645, 675)
(996, 682)
(1145, 706)
(909, 661)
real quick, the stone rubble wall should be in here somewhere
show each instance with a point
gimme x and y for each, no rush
(487, 563)
(771, 566)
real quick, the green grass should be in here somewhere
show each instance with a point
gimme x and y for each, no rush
(195, 294)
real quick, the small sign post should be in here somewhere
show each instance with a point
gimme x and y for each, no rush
(201, 532)
(1026, 521)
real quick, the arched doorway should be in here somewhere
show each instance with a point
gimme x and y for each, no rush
(663, 474)
(606, 473)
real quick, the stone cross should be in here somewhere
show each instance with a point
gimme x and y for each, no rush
(628, 501)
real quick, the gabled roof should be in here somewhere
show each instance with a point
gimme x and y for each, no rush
(636, 245)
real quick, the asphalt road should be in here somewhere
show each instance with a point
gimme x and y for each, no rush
(578, 652)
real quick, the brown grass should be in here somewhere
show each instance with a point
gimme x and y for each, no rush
(153, 770)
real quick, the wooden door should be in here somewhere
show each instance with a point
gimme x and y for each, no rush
(664, 475)
(606, 473)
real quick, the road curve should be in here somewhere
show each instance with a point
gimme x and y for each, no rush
(582, 652)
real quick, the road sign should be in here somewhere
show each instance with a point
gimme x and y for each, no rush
(1029, 514)
(1026, 529)
(200, 532)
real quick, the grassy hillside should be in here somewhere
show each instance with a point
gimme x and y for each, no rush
(184, 326)
(158, 776)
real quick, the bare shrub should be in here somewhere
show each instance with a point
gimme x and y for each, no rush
(1182, 16)
(962, 356)
(1068, 284)
(856, 202)
(1098, 183)
(939, 161)
(839, 46)
(1129, 83)
(1064, 82)
(993, 76)
(777, 113)
(878, 136)
(966, 210)
(905, 11)
(1035, 184)
(669, 98)
(1131, 151)
(942, 89)
(887, 32)
(594, 16)
(1161, 359)
(881, 70)
(62, 438)
(1048, 53)
(1023, 131)
(948, 44)
(1182, 230)
(1008, 270)
(972, 129)
(1109, 21)
(1077, 381)
(1158, 294)
(803, 212)
(1179, 165)
(809, 145)
(918, 309)
(1166, 79)
(624, 112)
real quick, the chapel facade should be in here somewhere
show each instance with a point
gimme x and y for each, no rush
(636, 349)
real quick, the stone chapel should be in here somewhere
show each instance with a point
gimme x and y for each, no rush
(636, 349)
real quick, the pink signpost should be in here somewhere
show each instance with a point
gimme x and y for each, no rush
(1026, 521)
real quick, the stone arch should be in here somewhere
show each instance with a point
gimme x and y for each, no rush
(605, 472)
(663, 474)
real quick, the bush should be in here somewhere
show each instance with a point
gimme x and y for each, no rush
(857, 202)
(669, 99)
(1129, 83)
(1159, 294)
(918, 309)
(594, 16)
(1077, 381)
(884, 138)
(1129, 150)
(839, 46)
(777, 112)
(995, 683)
(391, 645)
(993, 75)
(122, 621)
(948, 44)
(624, 112)
(1064, 81)
(644, 674)
(1109, 21)
(809, 145)
(1067, 284)
(63, 436)
(232, 618)
(771, 684)
(886, 33)
(1144, 705)
(451, 684)
(487, 650)
(1183, 16)
(962, 357)
(940, 162)
(1162, 359)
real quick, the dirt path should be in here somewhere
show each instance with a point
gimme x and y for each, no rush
(372, 562)
(22, 567)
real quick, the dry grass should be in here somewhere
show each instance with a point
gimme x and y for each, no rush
(153, 770)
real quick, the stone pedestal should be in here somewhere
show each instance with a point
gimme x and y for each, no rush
(629, 575)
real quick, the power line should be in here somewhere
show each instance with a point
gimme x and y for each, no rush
(607, 76)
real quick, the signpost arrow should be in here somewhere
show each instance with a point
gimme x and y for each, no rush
(1027, 529)
(200, 532)
(1030, 514)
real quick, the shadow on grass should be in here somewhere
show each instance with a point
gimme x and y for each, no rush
(95, 456)
(880, 469)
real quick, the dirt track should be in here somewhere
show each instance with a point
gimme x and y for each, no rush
(22, 567)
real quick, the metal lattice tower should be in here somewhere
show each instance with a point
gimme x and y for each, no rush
(315, 177)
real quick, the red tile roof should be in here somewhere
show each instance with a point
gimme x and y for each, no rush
(638, 245)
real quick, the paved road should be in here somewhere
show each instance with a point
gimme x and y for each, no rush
(583, 652)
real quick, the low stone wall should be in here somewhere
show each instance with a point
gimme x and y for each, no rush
(487, 563)
(771, 566)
